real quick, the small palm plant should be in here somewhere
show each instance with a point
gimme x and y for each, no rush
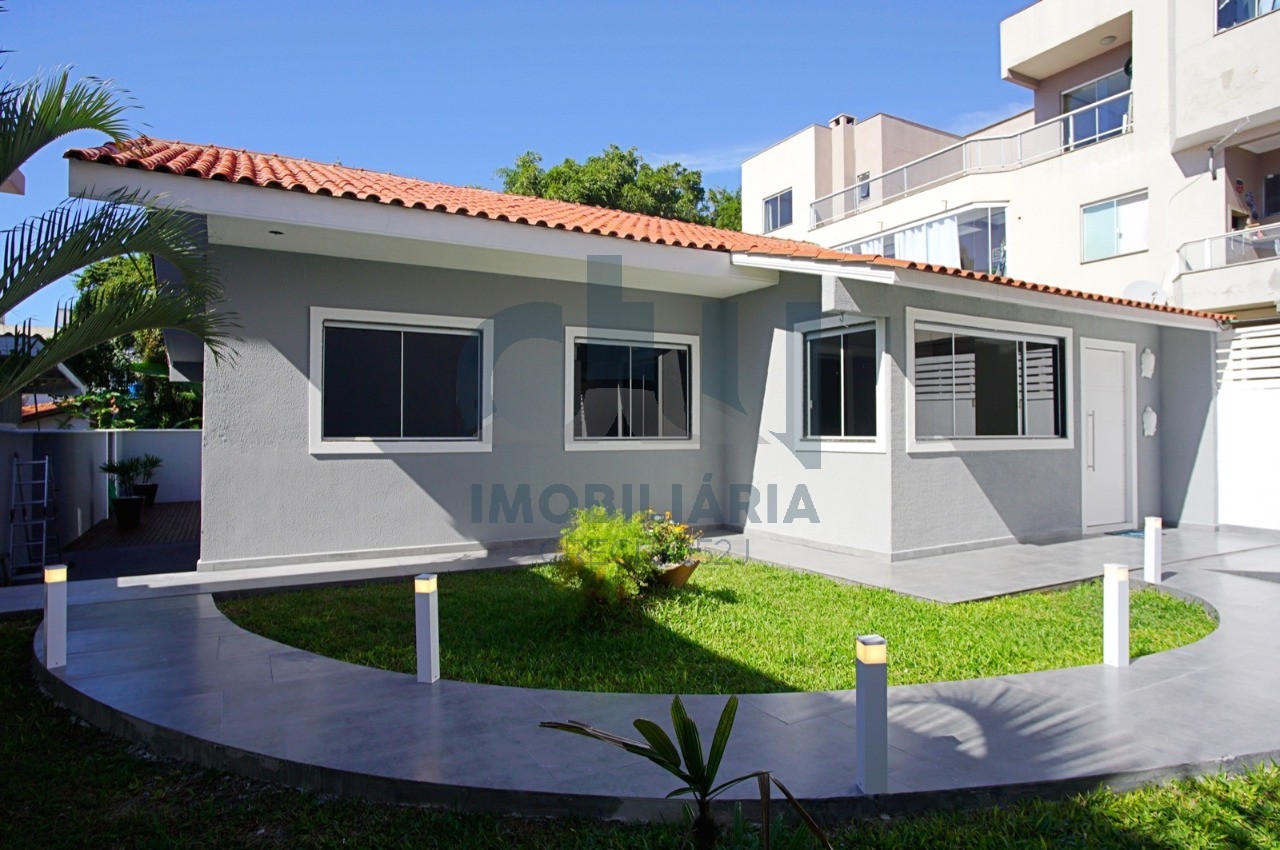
(687, 763)
(147, 466)
(45, 248)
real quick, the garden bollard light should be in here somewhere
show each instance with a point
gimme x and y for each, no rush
(55, 617)
(427, 619)
(1115, 615)
(1153, 552)
(871, 713)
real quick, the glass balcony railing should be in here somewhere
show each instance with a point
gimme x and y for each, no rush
(1230, 249)
(1070, 131)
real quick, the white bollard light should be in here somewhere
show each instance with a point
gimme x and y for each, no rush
(1115, 615)
(871, 715)
(1152, 550)
(427, 620)
(55, 617)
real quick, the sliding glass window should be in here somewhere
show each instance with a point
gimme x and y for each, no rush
(400, 383)
(840, 383)
(629, 391)
(972, 239)
(977, 383)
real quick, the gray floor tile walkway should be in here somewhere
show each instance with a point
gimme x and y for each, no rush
(172, 671)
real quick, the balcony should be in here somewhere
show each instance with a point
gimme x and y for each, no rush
(1105, 119)
(1232, 272)
(1251, 245)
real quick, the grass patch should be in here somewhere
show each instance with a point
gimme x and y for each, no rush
(66, 785)
(737, 628)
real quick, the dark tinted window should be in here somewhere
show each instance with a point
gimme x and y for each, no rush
(841, 384)
(441, 385)
(400, 384)
(630, 391)
(361, 382)
(968, 385)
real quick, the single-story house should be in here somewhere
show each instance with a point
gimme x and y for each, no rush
(429, 368)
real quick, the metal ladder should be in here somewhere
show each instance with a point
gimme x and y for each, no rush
(33, 535)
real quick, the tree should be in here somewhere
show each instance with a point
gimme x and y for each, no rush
(621, 180)
(128, 377)
(726, 208)
(78, 233)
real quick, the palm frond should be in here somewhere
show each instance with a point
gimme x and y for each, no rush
(78, 233)
(99, 317)
(39, 111)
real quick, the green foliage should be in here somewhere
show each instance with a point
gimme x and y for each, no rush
(688, 764)
(726, 208)
(670, 542)
(125, 472)
(735, 628)
(621, 180)
(605, 554)
(75, 234)
(128, 377)
(147, 466)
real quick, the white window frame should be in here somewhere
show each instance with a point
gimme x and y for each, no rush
(572, 443)
(380, 319)
(1114, 201)
(764, 209)
(799, 395)
(980, 325)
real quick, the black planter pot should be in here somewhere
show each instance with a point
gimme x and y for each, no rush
(128, 512)
(147, 491)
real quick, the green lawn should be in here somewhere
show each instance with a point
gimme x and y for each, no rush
(64, 785)
(737, 628)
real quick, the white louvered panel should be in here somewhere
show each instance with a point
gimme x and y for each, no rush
(1250, 357)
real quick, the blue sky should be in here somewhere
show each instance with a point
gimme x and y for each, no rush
(452, 91)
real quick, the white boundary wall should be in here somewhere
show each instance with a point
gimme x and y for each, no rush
(1248, 438)
(83, 490)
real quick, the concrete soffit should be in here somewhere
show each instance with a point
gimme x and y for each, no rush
(277, 220)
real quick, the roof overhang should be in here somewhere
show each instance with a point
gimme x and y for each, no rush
(1048, 38)
(914, 279)
(246, 216)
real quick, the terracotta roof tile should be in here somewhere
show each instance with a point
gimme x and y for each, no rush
(212, 162)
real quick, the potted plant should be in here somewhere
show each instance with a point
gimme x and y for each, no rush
(146, 488)
(673, 546)
(126, 504)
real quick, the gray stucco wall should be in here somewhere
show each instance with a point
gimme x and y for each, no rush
(1189, 427)
(910, 504)
(266, 496)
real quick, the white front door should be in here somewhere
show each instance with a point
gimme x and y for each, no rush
(1108, 424)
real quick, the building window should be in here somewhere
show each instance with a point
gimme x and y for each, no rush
(840, 383)
(1271, 195)
(864, 185)
(1114, 227)
(982, 383)
(1233, 12)
(1086, 126)
(777, 211)
(973, 239)
(625, 390)
(395, 382)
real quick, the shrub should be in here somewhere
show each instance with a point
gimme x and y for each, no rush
(606, 554)
(672, 542)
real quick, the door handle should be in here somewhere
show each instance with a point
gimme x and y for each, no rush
(1093, 442)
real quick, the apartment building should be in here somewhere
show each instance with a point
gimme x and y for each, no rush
(1147, 167)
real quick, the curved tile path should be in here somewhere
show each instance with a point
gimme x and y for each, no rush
(177, 675)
